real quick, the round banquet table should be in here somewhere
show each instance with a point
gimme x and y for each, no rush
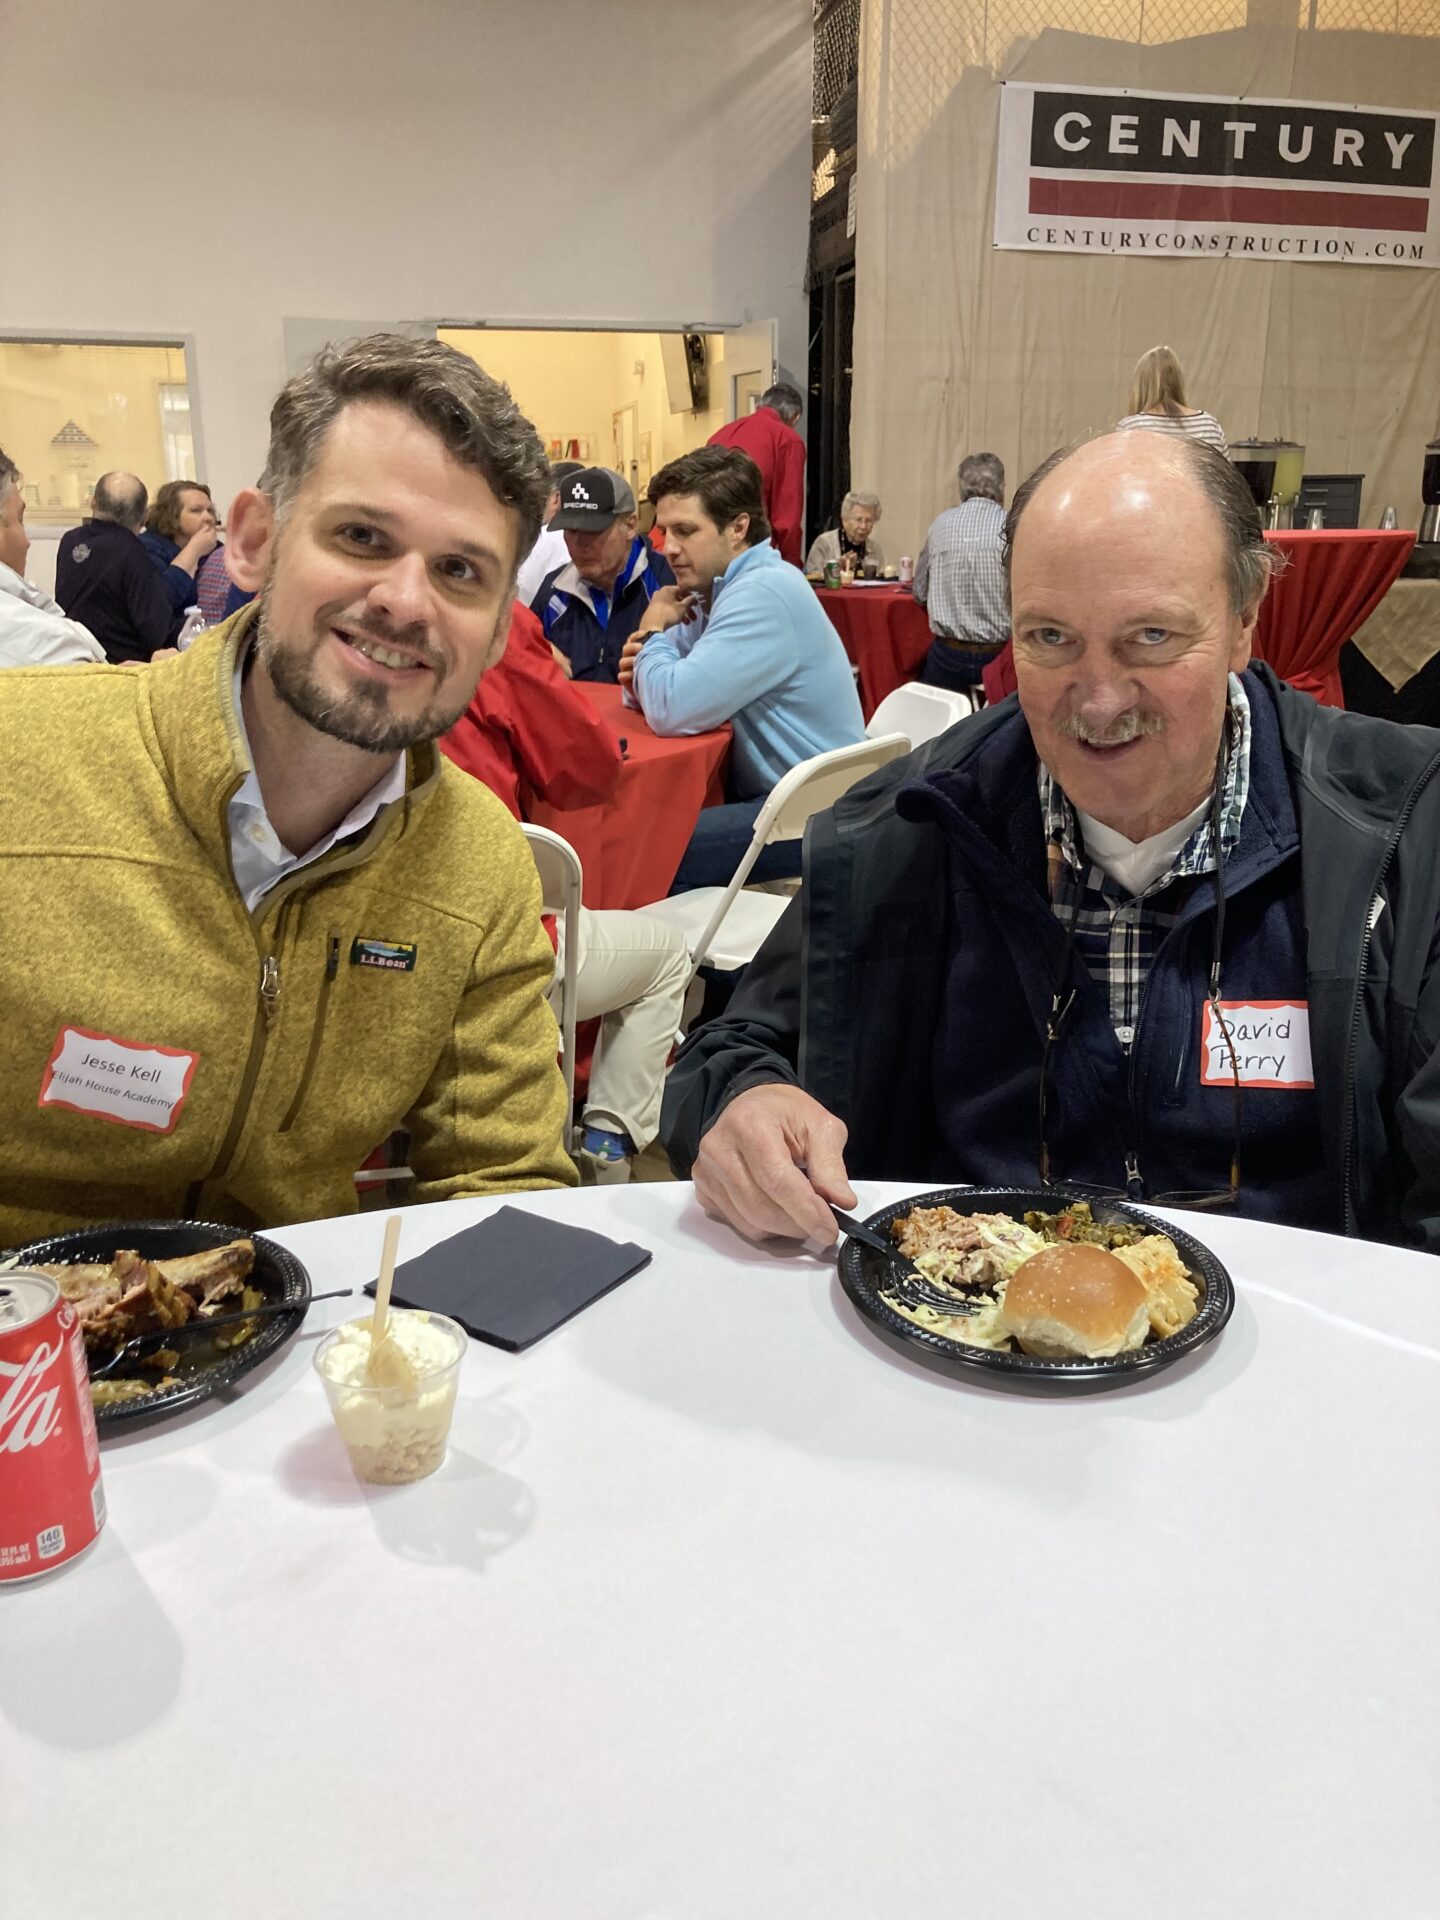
(1332, 582)
(884, 630)
(631, 848)
(720, 1607)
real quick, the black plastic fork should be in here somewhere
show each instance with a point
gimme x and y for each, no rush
(910, 1286)
(161, 1337)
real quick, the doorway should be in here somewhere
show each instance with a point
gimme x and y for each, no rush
(621, 400)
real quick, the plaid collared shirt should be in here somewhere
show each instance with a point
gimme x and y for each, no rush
(1117, 933)
(960, 576)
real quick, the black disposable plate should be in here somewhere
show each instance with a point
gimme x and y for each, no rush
(201, 1369)
(862, 1273)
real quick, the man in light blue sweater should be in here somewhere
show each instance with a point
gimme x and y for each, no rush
(739, 637)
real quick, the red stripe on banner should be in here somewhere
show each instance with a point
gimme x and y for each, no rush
(1254, 206)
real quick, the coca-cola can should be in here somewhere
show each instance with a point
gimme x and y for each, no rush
(52, 1503)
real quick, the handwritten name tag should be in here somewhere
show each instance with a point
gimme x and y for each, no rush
(1272, 1044)
(119, 1080)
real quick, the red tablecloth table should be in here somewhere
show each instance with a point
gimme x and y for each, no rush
(998, 678)
(885, 631)
(1333, 582)
(630, 848)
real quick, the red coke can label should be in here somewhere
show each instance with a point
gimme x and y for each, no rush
(52, 1503)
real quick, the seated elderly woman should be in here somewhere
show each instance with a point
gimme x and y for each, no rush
(858, 515)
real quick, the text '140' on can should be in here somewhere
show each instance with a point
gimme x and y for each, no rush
(52, 1503)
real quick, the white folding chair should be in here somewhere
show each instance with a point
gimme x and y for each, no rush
(561, 880)
(725, 928)
(919, 712)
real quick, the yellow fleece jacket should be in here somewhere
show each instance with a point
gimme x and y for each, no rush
(399, 980)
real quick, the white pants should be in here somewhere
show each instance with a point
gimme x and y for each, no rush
(631, 971)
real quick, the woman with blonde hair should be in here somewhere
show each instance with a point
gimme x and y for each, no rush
(1157, 401)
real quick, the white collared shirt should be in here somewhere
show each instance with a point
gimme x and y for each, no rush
(259, 858)
(34, 631)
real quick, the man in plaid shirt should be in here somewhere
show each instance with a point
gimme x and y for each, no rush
(960, 578)
(1162, 927)
(1117, 929)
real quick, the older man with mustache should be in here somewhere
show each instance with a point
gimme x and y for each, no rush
(1160, 926)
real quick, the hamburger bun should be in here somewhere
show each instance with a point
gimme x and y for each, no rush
(1075, 1302)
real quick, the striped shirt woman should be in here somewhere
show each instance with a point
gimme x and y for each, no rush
(1158, 402)
(1195, 424)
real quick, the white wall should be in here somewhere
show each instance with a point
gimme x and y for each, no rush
(586, 160)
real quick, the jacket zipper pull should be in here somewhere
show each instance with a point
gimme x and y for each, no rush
(1133, 1181)
(269, 986)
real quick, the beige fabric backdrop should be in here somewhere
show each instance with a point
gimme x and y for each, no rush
(960, 347)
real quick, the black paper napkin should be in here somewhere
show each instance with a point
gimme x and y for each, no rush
(515, 1277)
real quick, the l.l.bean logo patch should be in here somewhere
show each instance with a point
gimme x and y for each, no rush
(390, 956)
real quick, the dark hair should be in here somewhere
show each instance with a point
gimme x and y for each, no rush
(164, 515)
(726, 482)
(471, 413)
(785, 399)
(122, 498)
(1249, 563)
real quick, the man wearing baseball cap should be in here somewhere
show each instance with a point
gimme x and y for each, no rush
(549, 550)
(590, 607)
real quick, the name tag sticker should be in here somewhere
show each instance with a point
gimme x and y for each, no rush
(119, 1080)
(1272, 1044)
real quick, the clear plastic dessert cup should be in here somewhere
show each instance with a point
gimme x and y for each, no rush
(396, 1432)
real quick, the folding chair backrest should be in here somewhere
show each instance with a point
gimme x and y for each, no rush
(561, 882)
(919, 711)
(818, 783)
(806, 789)
(558, 864)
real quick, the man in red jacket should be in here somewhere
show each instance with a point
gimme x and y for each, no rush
(768, 435)
(529, 731)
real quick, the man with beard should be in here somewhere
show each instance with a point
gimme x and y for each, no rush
(1159, 927)
(259, 923)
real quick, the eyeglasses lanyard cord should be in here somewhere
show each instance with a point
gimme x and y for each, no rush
(1060, 1006)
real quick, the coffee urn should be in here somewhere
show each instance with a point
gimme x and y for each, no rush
(1430, 494)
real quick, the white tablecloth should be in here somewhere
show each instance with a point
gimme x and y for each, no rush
(719, 1609)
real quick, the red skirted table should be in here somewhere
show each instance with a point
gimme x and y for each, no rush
(885, 631)
(1332, 583)
(631, 847)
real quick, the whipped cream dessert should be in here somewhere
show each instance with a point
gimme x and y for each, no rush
(394, 1425)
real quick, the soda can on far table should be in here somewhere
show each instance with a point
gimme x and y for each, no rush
(52, 1501)
(832, 573)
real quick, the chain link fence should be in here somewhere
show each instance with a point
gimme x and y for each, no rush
(942, 37)
(837, 52)
(928, 46)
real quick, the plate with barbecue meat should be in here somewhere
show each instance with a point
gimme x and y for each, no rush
(139, 1278)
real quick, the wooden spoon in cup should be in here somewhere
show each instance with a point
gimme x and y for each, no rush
(387, 1364)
